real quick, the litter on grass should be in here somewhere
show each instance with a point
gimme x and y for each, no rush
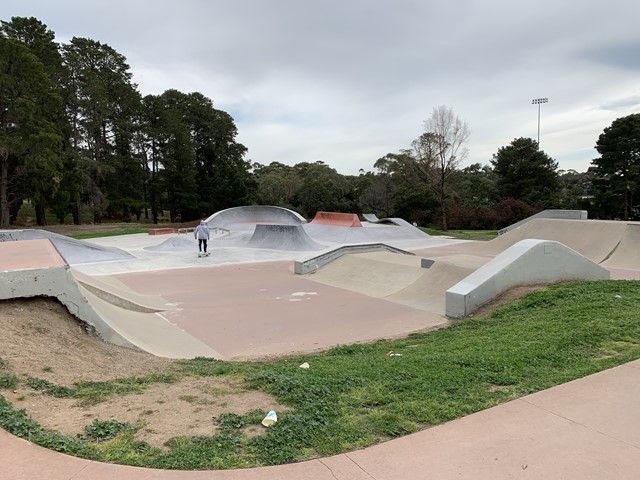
(270, 419)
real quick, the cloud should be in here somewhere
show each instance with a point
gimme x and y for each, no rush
(623, 104)
(348, 81)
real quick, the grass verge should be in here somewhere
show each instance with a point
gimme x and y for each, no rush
(483, 235)
(356, 395)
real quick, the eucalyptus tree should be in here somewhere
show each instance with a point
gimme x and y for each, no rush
(322, 189)
(277, 184)
(441, 148)
(378, 190)
(475, 186)
(617, 169)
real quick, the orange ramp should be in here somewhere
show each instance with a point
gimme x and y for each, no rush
(337, 218)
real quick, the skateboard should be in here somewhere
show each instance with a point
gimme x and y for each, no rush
(203, 254)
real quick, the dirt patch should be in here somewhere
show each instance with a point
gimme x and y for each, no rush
(506, 297)
(41, 339)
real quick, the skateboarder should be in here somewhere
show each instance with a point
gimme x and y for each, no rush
(201, 233)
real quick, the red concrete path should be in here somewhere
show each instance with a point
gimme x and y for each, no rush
(584, 430)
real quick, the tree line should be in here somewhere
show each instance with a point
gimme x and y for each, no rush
(76, 135)
(78, 140)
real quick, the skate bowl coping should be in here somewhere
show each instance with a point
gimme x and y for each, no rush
(337, 218)
(255, 214)
(528, 262)
(311, 264)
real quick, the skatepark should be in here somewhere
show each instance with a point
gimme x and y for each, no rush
(292, 286)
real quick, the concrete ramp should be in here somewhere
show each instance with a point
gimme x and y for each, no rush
(428, 291)
(71, 250)
(375, 274)
(111, 290)
(337, 218)
(627, 253)
(529, 262)
(255, 214)
(372, 218)
(148, 331)
(552, 213)
(33, 268)
(282, 237)
(398, 278)
(595, 239)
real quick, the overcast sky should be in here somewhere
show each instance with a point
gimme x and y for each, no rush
(348, 81)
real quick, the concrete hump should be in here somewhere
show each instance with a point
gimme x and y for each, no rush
(183, 243)
(282, 237)
(255, 214)
(73, 251)
(337, 218)
(528, 262)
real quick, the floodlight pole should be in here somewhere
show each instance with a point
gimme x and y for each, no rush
(539, 101)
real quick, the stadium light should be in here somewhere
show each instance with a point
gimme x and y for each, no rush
(539, 101)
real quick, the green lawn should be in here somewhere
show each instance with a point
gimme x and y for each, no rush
(463, 234)
(355, 395)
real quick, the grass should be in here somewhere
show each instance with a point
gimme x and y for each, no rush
(94, 392)
(355, 395)
(484, 235)
(112, 233)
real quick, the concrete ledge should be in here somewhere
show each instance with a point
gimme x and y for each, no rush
(302, 267)
(528, 262)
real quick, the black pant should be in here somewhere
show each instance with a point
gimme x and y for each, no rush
(201, 242)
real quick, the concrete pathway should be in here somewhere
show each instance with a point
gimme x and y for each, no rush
(584, 430)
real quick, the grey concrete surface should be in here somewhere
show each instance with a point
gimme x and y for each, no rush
(528, 262)
(254, 214)
(282, 237)
(73, 251)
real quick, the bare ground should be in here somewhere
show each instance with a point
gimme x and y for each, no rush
(41, 339)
